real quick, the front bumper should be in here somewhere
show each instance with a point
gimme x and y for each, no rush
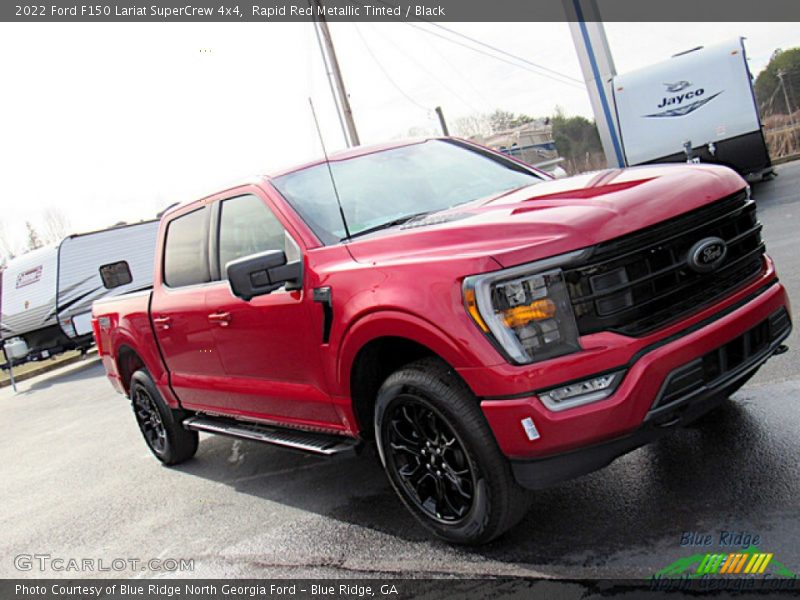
(684, 407)
(603, 430)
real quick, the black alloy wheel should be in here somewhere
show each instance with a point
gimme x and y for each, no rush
(161, 425)
(430, 459)
(150, 422)
(441, 456)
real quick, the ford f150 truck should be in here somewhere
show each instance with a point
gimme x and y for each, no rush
(489, 328)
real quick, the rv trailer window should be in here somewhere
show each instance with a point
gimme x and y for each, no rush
(115, 274)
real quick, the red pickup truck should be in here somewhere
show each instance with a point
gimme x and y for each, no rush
(490, 329)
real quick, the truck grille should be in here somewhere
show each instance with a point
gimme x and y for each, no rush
(640, 282)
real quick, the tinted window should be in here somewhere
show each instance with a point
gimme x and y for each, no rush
(186, 250)
(385, 186)
(248, 226)
(115, 274)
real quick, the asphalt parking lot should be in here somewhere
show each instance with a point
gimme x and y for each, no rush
(78, 482)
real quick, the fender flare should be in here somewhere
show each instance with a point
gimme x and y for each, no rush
(149, 357)
(393, 323)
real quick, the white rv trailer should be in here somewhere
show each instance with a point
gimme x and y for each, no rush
(698, 105)
(29, 300)
(98, 265)
(51, 310)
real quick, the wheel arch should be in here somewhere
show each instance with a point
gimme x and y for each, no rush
(129, 356)
(379, 345)
(128, 362)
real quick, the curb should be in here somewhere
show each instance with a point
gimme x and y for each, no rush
(47, 367)
(785, 159)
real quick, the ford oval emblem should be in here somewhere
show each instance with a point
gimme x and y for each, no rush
(707, 254)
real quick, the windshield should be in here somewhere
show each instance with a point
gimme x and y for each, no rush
(386, 188)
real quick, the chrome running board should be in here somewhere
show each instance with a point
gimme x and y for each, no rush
(306, 441)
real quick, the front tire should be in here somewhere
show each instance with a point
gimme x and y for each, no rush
(161, 426)
(441, 456)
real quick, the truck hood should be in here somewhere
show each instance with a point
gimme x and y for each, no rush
(552, 217)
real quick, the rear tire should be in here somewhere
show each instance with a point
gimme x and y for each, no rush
(161, 426)
(441, 456)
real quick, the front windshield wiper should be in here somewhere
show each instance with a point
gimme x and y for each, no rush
(392, 223)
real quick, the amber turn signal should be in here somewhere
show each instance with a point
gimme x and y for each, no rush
(535, 311)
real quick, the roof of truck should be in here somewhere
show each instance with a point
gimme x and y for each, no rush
(336, 156)
(353, 153)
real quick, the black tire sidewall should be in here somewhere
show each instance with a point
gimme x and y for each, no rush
(478, 442)
(177, 436)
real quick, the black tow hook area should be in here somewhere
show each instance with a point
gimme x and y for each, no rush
(781, 350)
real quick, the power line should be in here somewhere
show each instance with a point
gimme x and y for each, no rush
(571, 81)
(501, 51)
(386, 74)
(437, 80)
(455, 70)
(565, 79)
(494, 56)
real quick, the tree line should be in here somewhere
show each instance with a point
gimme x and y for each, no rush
(52, 227)
(576, 138)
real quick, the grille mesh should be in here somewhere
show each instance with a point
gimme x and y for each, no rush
(640, 282)
(709, 369)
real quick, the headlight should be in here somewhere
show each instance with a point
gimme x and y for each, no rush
(527, 314)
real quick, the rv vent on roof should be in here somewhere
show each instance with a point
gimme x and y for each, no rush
(687, 51)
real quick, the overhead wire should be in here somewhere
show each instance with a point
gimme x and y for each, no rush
(495, 57)
(566, 79)
(386, 73)
(527, 65)
(501, 51)
(475, 90)
(433, 76)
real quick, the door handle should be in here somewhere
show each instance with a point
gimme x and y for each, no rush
(162, 322)
(223, 318)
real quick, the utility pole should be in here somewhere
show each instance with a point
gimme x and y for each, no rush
(442, 122)
(597, 65)
(781, 74)
(343, 102)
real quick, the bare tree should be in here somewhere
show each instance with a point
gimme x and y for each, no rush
(500, 120)
(417, 131)
(55, 226)
(34, 241)
(6, 247)
(475, 124)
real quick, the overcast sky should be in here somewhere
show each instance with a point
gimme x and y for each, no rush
(114, 121)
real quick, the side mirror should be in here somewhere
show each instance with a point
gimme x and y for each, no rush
(262, 273)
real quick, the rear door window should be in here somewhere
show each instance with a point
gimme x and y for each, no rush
(186, 250)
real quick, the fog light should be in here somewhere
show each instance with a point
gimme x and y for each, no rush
(581, 392)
